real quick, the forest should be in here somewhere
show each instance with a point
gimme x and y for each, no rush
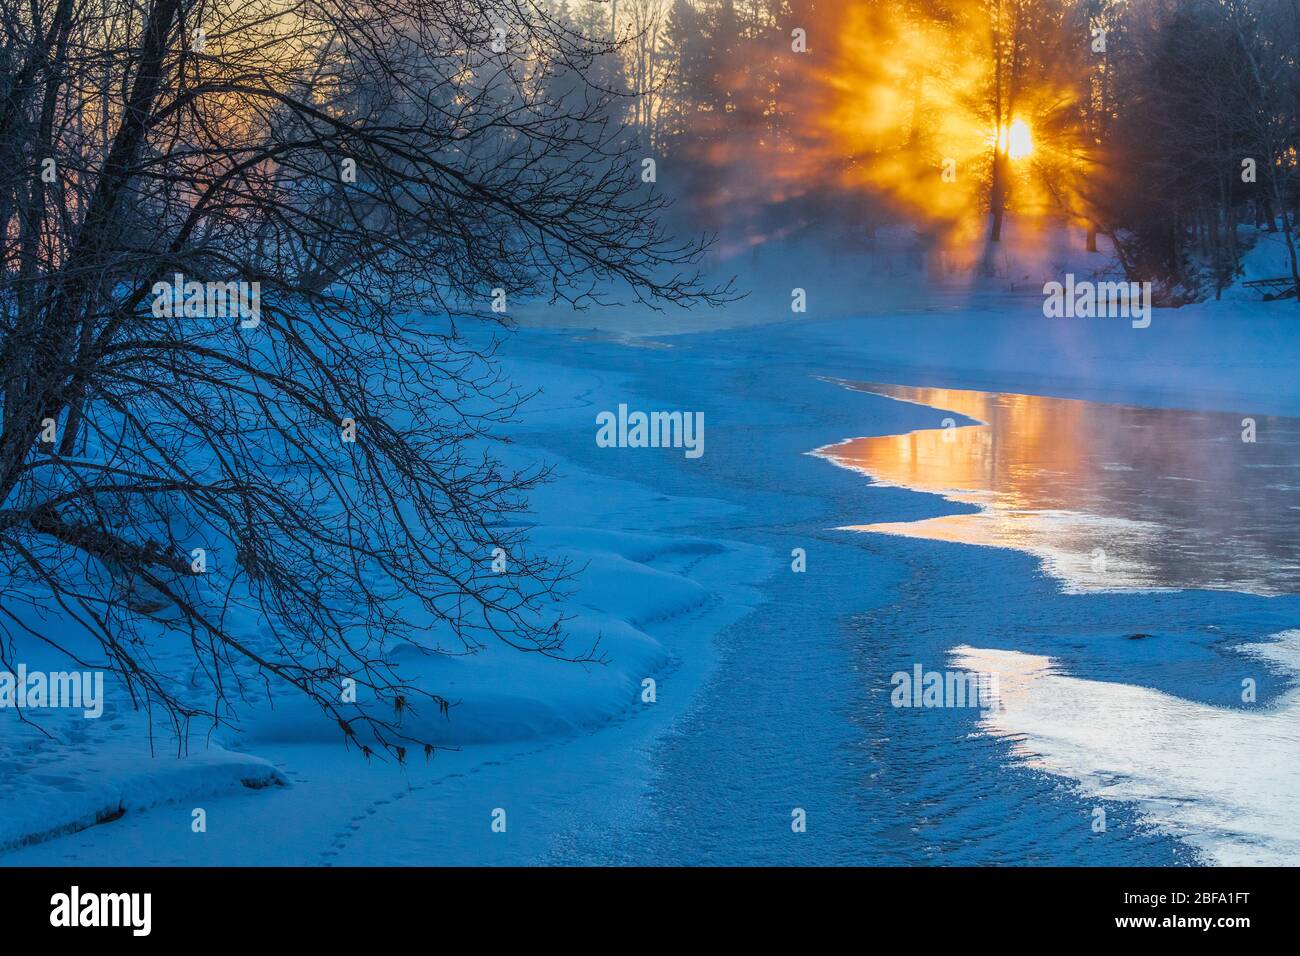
(1161, 124)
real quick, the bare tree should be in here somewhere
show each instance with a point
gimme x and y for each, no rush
(336, 168)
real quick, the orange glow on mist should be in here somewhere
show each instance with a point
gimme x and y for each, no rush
(902, 98)
(908, 112)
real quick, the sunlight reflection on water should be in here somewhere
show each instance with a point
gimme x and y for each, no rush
(1108, 496)
(1222, 779)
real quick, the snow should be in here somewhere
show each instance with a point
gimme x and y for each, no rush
(1266, 259)
(90, 776)
(643, 602)
(771, 686)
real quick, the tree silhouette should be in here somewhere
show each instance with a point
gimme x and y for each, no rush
(295, 483)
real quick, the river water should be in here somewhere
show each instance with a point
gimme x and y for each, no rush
(1107, 496)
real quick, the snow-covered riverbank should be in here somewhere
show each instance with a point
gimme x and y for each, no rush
(771, 685)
